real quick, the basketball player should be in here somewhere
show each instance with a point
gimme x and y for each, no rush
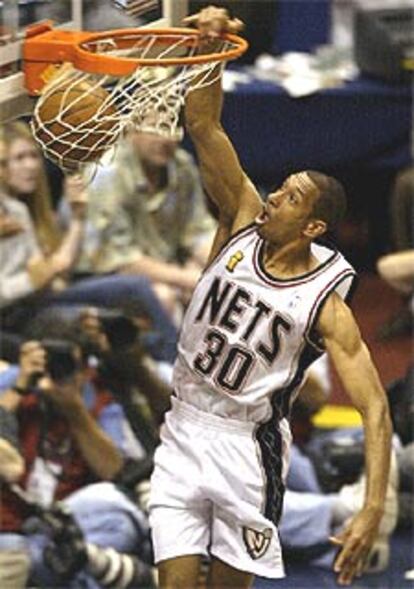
(269, 303)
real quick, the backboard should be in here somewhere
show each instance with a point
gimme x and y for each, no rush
(17, 15)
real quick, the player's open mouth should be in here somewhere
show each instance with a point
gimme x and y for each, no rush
(262, 217)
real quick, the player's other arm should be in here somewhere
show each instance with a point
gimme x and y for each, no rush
(221, 172)
(354, 365)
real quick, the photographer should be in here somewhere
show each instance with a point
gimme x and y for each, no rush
(124, 367)
(71, 434)
(14, 559)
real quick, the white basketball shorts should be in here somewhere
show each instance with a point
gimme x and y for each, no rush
(207, 493)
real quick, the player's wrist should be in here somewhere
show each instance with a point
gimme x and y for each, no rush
(374, 509)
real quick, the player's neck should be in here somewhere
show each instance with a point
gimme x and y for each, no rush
(289, 260)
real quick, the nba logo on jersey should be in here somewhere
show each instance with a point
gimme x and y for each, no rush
(257, 542)
(234, 260)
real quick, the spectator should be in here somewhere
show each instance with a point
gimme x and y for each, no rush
(33, 262)
(23, 179)
(397, 269)
(14, 562)
(71, 434)
(11, 463)
(148, 216)
(402, 207)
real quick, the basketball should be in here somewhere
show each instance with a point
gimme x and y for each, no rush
(75, 123)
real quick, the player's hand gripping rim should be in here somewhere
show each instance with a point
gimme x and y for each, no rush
(212, 22)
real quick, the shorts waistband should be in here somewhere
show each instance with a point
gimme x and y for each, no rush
(209, 419)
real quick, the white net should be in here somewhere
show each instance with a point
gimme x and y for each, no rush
(79, 116)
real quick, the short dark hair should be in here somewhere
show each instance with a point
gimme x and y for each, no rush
(331, 204)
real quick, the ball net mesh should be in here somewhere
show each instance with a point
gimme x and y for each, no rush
(149, 99)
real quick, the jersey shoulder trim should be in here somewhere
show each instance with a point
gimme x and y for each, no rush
(288, 282)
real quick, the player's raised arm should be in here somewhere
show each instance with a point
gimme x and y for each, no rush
(221, 171)
(359, 376)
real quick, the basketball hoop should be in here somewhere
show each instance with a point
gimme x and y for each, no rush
(138, 79)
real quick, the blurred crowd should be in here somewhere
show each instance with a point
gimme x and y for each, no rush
(92, 292)
(93, 286)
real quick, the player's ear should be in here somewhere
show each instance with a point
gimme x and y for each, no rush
(315, 228)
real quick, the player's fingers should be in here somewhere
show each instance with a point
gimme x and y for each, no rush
(348, 573)
(340, 538)
(348, 553)
(205, 16)
(361, 565)
(337, 540)
(211, 21)
(235, 25)
(213, 26)
(192, 19)
(353, 565)
(350, 560)
(208, 34)
(364, 554)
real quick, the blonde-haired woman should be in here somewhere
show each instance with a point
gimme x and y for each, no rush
(24, 178)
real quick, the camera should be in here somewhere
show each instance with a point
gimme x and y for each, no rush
(121, 333)
(62, 359)
(119, 329)
(338, 462)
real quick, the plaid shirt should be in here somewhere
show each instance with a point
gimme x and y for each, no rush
(125, 220)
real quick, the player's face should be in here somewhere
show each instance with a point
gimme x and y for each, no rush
(23, 166)
(154, 150)
(288, 210)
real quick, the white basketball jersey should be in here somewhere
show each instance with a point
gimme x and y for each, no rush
(247, 337)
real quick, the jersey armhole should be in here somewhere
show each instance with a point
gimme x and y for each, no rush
(311, 335)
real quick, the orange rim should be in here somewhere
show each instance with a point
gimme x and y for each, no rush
(100, 63)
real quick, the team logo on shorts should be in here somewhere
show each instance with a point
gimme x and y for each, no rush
(257, 542)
